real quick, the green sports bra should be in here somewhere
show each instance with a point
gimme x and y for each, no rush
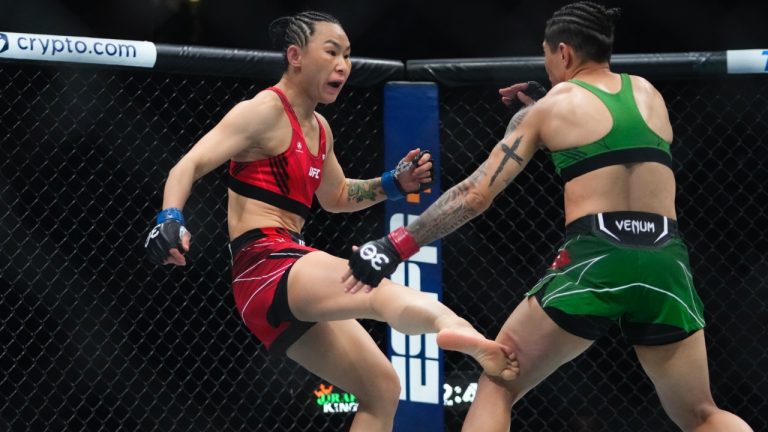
(629, 140)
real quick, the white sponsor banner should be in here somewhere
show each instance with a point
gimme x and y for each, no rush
(747, 61)
(25, 46)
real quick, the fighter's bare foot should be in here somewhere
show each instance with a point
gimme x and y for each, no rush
(496, 359)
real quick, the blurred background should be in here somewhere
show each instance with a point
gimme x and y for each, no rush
(396, 29)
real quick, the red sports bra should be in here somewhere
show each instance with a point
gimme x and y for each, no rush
(288, 180)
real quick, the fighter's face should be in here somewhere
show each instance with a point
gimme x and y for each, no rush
(326, 61)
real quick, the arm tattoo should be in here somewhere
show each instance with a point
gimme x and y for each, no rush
(360, 190)
(451, 211)
(509, 153)
(517, 119)
(448, 213)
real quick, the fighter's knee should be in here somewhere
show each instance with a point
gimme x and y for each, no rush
(383, 388)
(706, 410)
(390, 386)
(512, 390)
(510, 341)
(694, 416)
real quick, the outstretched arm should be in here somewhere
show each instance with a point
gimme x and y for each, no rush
(474, 195)
(377, 259)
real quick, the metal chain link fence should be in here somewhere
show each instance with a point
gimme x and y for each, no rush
(94, 338)
(720, 156)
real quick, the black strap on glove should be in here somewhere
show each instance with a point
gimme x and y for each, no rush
(378, 259)
(374, 261)
(166, 235)
(535, 90)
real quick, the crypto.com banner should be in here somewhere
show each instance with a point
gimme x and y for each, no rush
(26, 46)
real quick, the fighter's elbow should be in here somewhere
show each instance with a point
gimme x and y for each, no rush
(333, 202)
(188, 166)
(477, 200)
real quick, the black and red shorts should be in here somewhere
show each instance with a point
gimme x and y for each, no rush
(261, 261)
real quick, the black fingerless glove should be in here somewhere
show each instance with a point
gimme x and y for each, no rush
(392, 187)
(166, 235)
(534, 91)
(378, 259)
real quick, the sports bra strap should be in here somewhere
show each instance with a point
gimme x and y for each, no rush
(288, 108)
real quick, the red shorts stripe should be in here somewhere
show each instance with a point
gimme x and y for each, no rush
(258, 266)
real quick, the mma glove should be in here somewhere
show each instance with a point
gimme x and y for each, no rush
(534, 90)
(392, 186)
(377, 259)
(166, 235)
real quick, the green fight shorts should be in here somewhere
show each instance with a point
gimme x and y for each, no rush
(627, 268)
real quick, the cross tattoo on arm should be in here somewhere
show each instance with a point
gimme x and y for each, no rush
(509, 153)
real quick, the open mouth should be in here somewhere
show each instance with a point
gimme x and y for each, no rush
(336, 84)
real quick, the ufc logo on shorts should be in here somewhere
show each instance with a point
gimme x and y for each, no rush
(314, 172)
(370, 253)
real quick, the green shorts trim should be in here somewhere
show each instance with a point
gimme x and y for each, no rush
(648, 291)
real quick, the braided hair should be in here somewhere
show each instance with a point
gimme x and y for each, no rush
(296, 30)
(586, 26)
